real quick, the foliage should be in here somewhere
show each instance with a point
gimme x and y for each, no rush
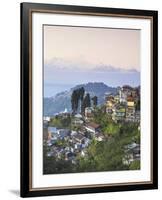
(77, 99)
(99, 115)
(74, 101)
(81, 93)
(138, 105)
(111, 128)
(135, 165)
(108, 155)
(81, 101)
(95, 101)
(53, 166)
(61, 122)
(86, 102)
(62, 143)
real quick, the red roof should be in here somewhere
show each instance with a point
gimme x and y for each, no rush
(93, 125)
(130, 98)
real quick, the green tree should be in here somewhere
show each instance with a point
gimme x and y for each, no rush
(111, 128)
(85, 103)
(135, 165)
(74, 101)
(77, 99)
(138, 104)
(88, 100)
(108, 155)
(55, 122)
(81, 92)
(95, 101)
(60, 122)
(51, 165)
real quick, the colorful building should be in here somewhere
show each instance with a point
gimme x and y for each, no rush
(119, 113)
(130, 110)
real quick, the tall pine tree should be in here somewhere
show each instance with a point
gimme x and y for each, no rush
(95, 101)
(86, 103)
(77, 99)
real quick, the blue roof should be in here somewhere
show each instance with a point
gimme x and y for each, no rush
(52, 129)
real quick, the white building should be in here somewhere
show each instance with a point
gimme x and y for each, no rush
(46, 118)
(92, 127)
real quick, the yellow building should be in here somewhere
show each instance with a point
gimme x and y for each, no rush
(130, 111)
(130, 103)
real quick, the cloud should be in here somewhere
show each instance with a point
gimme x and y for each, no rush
(64, 64)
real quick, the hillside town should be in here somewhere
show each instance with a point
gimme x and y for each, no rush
(68, 135)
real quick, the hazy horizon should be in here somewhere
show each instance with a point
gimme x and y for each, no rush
(77, 55)
(50, 89)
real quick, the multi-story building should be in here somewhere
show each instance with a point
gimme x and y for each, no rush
(130, 110)
(122, 96)
(132, 153)
(119, 113)
(137, 116)
(110, 103)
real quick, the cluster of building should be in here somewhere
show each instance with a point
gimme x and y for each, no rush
(66, 143)
(124, 106)
(132, 153)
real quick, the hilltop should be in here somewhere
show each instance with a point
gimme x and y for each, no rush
(62, 100)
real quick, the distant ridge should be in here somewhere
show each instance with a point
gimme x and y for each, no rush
(62, 100)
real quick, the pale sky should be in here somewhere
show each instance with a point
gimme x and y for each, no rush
(119, 48)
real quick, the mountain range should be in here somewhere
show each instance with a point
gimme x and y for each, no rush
(62, 100)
